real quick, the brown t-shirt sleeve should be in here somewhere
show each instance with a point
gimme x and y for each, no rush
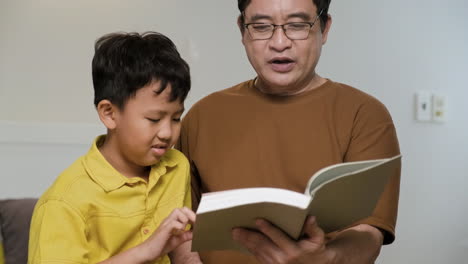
(374, 136)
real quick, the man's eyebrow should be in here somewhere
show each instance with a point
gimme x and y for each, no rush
(257, 17)
(302, 15)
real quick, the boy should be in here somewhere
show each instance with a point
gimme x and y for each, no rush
(114, 204)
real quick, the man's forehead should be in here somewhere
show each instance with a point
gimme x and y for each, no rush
(280, 8)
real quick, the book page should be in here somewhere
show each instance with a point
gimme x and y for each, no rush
(213, 230)
(353, 195)
(231, 198)
(338, 170)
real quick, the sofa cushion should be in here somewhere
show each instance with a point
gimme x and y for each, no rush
(15, 219)
(2, 258)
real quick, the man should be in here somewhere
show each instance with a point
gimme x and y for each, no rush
(279, 128)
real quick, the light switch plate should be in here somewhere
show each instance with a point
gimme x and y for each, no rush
(439, 104)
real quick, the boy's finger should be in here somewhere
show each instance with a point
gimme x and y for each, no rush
(189, 213)
(177, 231)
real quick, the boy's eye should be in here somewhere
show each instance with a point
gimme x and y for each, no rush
(153, 120)
(176, 119)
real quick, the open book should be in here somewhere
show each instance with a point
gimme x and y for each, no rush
(338, 195)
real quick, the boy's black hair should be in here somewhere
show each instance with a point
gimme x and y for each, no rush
(126, 62)
(320, 4)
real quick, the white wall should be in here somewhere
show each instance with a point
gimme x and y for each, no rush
(390, 49)
(46, 49)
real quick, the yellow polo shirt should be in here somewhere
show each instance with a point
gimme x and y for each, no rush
(92, 212)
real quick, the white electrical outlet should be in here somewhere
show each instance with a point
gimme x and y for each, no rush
(438, 108)
(423, 106)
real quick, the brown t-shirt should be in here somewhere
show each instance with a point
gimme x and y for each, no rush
(240, 137)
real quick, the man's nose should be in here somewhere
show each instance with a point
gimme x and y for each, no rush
(279, 41)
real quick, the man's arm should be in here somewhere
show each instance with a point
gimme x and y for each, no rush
(359, 244)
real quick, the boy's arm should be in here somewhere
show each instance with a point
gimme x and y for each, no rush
(182, 254)
(134, 255)
(137, 255)
(47, 239)
(169, 235)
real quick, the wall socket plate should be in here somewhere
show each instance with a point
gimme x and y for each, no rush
(423, 106)
(430, 107)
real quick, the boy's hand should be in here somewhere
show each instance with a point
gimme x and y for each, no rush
(170, 234)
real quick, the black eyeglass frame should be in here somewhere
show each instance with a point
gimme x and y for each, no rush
(311, 24)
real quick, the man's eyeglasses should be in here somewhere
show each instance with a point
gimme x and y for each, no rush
(293, 30)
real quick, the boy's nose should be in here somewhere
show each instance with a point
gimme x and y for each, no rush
(165, 131)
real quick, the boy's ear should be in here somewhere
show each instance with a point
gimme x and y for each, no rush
(107, 113)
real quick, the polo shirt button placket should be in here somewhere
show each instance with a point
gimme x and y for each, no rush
(145, 231)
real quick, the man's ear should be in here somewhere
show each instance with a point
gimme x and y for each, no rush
(326, 30)
(241, 27)
(107, 112)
